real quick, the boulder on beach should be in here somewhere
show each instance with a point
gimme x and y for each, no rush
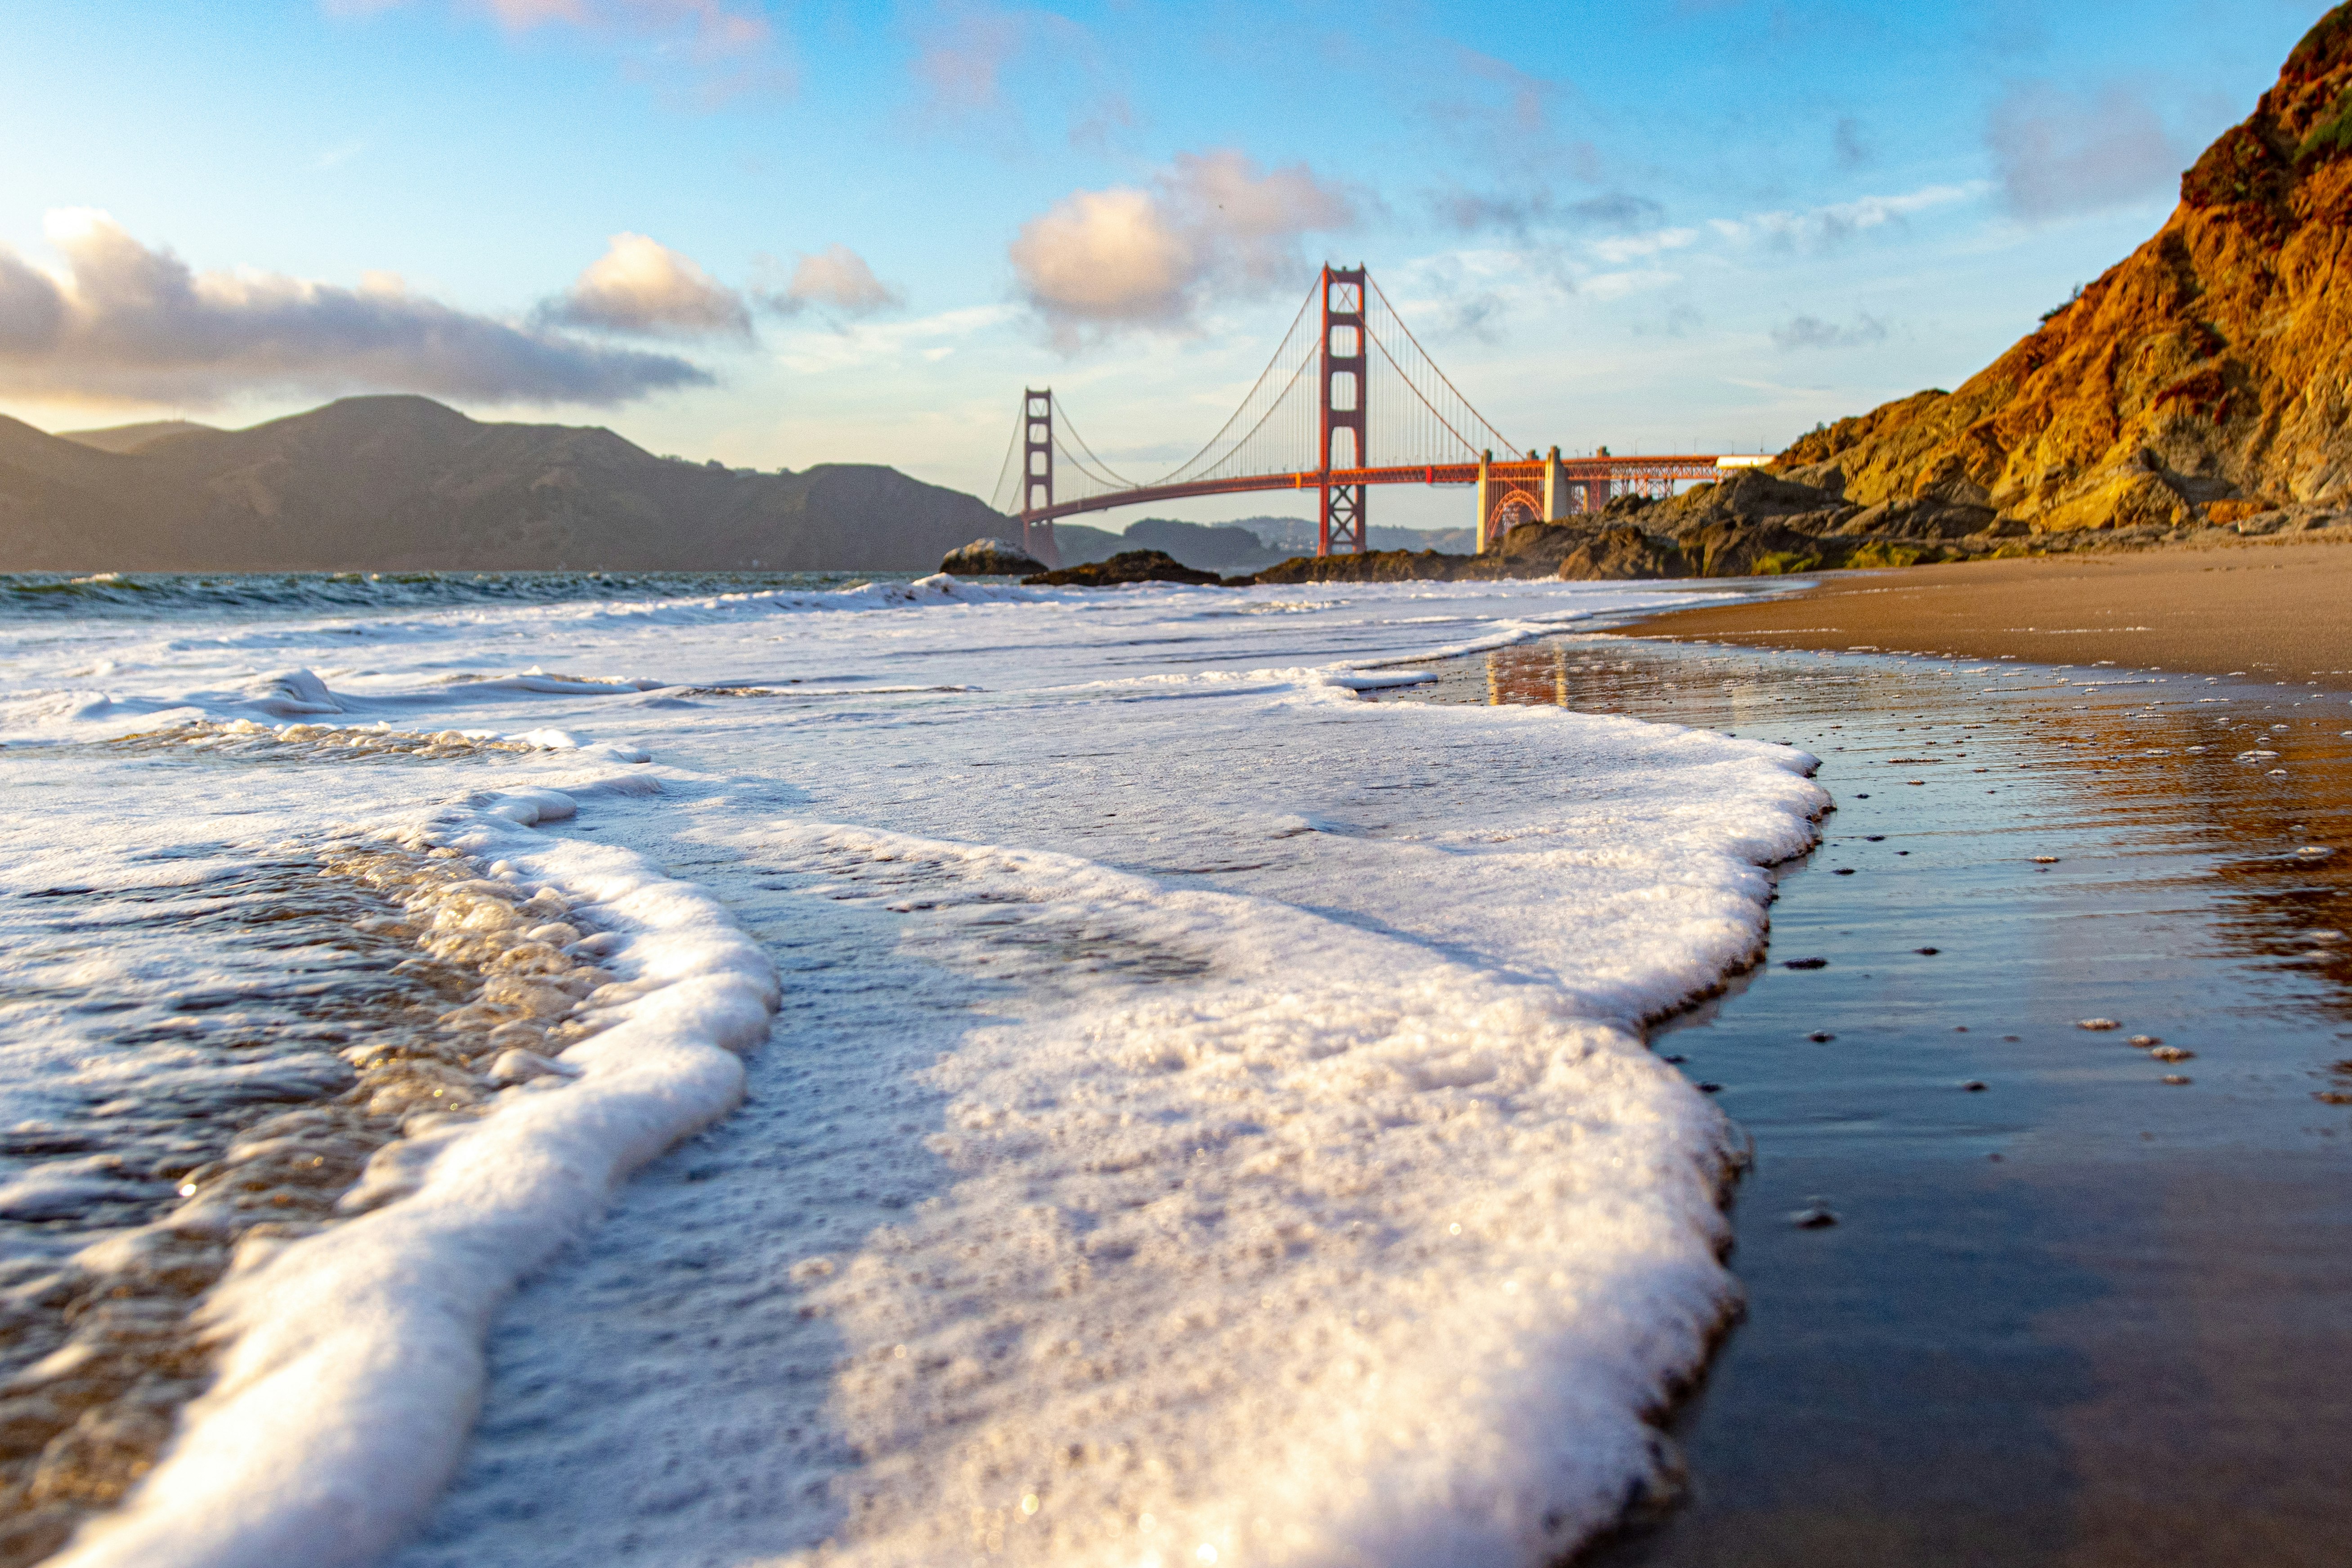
(1126, 566)
(990, 558)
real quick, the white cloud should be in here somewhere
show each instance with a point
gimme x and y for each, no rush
(1817, 227)
(1621, 248)
(1210, 226)
(837, 280)
(641, 286)
(932, 338)
(2060, 154)
(124, 323)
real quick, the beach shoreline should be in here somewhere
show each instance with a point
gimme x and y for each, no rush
(2269, 610)
(2020, 1289)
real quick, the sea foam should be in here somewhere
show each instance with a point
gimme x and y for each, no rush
(353, 1360)
(1293, 1186)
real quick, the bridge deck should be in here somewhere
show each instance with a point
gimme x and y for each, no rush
(1519, 471)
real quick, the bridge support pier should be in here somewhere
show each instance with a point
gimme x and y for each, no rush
(1037, 473)
(1343, 520)
(1344, 363)
(1486, 500)
(1555, 489)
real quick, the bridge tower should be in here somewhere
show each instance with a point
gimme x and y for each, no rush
(1037, 473)
(1342, 352)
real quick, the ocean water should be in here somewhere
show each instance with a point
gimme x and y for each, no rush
(1140, 1100)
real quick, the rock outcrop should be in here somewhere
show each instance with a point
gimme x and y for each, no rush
(1373, 566)
(1126, 566)
(2204, 381)
(991, 558)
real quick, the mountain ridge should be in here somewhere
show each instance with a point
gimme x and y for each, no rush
(403, 483)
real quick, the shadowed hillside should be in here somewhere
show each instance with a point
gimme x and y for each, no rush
(406, 484)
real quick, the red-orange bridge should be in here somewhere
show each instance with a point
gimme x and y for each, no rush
(1348, 384)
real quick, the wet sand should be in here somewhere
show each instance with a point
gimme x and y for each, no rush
(2079, 1316)
(2272, 611)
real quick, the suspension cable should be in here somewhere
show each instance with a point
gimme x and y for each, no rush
(1433, 413)
(1272, 409)
(1275, 359)
(1106, 472)
(1004, 486)
(1395, 316)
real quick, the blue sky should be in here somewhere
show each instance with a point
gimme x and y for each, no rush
(854, 232)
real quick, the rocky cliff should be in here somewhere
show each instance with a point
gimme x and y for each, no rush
(2205, 380)
(405, 484)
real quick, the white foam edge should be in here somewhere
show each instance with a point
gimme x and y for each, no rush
(353, 1358)
(1537, 1462)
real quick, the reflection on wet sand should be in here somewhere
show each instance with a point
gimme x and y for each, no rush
(2090, 1315)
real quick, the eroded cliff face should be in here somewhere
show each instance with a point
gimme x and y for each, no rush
(2202, 380)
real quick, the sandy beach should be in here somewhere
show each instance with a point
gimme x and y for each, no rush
(2262, 609)
(2015, 1294)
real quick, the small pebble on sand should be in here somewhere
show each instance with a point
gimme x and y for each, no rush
(1710, 1088)
(1813, 1218)
(1974, 1085)
(1806, 963)
(1675, 1061)
(2170, 1054)
(1845, 871)
(2097, 1023)
(2045, 859)
(2174, 1078)
(1926, 951)
(2144, 1041)
(1820, 1036)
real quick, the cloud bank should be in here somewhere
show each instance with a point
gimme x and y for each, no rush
(1211, 225)
(643, 287)
(127, 323)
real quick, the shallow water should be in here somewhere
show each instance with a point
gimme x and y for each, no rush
(1173, 1053)
(2081, 1315)
(115, 595)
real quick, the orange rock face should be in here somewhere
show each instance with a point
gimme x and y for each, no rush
(2204, 379)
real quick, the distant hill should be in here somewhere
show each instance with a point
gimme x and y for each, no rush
(130, 437)
(2207, 378)
(406, 484)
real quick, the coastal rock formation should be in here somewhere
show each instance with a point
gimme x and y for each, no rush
(2205, 380)
(991, 558)
(1126, 566)
(405, 484)
(1373, 566)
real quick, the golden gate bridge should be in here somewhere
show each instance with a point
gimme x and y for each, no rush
(1348, 384)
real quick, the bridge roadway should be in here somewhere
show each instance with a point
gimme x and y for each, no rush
(1502, 477)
